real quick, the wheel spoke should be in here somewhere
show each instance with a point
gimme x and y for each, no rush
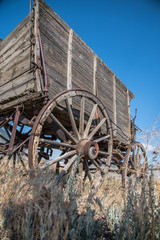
(65, 155)
(1, 136)
(102, 139)
(72, 120)
(131, 159)
(66, 168)
(97, 166)
(59, 144)
(87, 170)
(22, 162)
(9, 135)
(140, 158)
(105, 154)
(81, 123)
(63, 128)
(96, 129)
(90, 120)
(137, 156)
(70, 162)
(133, 156)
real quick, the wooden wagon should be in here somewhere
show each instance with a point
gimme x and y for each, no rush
(58, 96)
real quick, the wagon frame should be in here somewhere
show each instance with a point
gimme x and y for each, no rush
(44, 107)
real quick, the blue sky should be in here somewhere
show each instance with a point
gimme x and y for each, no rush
(125, 34)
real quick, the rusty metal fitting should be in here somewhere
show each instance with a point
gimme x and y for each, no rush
(88, 148)
(91, 149)
(81, 145)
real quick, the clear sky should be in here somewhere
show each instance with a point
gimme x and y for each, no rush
(125, 34)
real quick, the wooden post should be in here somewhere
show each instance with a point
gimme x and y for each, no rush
(94, 76)
(37, 47)
(129, 122)
(69, 66)
(114, 106)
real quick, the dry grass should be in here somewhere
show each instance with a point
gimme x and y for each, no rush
(39, 209)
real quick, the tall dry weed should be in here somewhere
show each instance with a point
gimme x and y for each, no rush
(40, 209)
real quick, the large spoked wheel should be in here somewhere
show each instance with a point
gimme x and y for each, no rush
(135, 162)
(72, 125)
(13, 150)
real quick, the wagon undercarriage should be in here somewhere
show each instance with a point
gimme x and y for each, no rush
(61, 133)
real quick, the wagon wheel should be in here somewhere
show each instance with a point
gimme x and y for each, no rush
(76, 123)
(21, 136)
(135, 162)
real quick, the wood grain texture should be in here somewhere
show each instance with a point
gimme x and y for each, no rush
(16, 76)
(53, 14)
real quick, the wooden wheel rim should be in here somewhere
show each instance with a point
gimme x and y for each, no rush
(140, 167)
(47, 111)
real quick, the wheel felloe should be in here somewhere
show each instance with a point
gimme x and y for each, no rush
(135, 162)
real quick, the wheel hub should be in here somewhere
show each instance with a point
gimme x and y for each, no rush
(88, 148)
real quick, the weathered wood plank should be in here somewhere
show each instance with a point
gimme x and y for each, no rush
(106, 75)
(57, 80)
(57, 30)
(80, 50)
(80, 42)
(114, 106)
(53, 57)
(15, 67)
(80, 80)
(103, 86)
(11, 40)
(122, 96)
(69, 61)
(59, 40)
(18, 47)
(16, 82)
(21, 99)
(14, 90)
(36, 49)
(129, 122)
(79, 65)
(54, 15)
(95, 84)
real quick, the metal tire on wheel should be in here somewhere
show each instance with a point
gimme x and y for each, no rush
(76, 123)
(135, 162)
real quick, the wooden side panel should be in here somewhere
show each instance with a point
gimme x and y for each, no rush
(122, 113)
(82, 64)
(16, 77)
(55, 48)
(105, 86)
(70, 63)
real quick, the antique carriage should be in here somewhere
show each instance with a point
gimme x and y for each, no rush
(59, 100)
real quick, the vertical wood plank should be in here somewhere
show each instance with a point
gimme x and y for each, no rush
(129, 122)
(114, 106)
(69, 64)
(37, 47)
(95, 87)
